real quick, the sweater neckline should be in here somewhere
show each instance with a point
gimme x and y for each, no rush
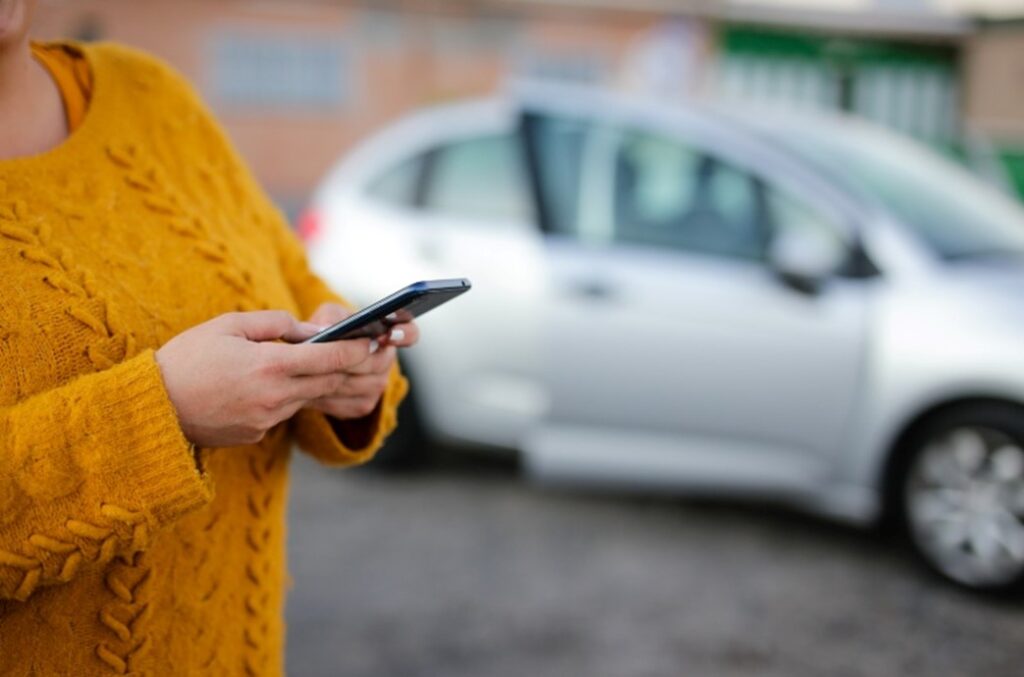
(81, 137)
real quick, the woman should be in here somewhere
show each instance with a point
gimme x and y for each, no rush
(148, 390)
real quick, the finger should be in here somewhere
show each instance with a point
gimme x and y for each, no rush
(346, 408)
(378, 363)
(267, 325)
(291, 408)
(311, 388)
(329, 313)
(312, 359)
(403, 335)
(328, 386)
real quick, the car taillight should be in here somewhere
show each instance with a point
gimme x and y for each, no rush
(310, 225)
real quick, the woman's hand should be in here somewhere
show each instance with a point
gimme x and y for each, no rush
(359, 387)
(231, 381)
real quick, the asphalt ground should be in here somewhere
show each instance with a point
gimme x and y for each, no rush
(467, 570)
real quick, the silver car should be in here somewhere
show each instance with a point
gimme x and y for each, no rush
(706, 299)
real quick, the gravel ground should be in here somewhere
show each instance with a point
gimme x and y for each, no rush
(471, 572)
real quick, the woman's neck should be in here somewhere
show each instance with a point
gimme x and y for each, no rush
(31, 111)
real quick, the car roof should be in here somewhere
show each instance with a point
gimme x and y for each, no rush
(750, 123)
(754, 119)
(750, 132)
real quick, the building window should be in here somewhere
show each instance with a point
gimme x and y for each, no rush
(580, 67)
(909, 87)
(280, 72)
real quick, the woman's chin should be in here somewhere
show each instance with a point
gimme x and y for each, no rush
(13, 20)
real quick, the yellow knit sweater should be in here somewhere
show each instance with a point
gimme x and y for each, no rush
(117, 554)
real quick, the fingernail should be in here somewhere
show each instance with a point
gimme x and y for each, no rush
(391, 317)
(373, 346)
(396, 335)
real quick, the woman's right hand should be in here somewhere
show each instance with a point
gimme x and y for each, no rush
(230, 380)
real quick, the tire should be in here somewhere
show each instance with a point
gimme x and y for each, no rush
(408, 447)
(959, 496)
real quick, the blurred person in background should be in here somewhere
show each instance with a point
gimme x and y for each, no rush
(148, 393)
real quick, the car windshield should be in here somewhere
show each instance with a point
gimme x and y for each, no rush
(951, 211)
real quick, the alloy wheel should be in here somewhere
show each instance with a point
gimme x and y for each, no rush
(964, 501)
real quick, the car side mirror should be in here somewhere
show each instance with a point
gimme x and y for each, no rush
(804, 260)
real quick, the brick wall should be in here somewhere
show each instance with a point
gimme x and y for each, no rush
(391, 62)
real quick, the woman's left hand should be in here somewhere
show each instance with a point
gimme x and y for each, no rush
(360, 387)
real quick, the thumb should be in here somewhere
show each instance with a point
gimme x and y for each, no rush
(329, 313)
(270, 325)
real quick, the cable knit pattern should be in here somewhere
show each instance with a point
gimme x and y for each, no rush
(116, 555)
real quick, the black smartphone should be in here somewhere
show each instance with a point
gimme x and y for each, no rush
(402, 306)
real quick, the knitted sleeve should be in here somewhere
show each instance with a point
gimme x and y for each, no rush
(88, 471)
(333, 442)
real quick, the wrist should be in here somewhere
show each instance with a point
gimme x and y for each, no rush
(355, 433)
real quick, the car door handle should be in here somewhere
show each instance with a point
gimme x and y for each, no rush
(594, 290)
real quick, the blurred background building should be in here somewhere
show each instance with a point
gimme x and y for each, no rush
(298, 82)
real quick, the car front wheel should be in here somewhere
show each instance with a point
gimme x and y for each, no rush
(963, 497)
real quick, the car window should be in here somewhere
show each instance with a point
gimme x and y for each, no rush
(396, 185)
(559, 145)
(481, 178)
(671, 195)
(788, 213)
(950, 211)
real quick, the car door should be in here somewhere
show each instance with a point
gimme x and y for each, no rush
(477, 222)
(460, 207)
(673, 351)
